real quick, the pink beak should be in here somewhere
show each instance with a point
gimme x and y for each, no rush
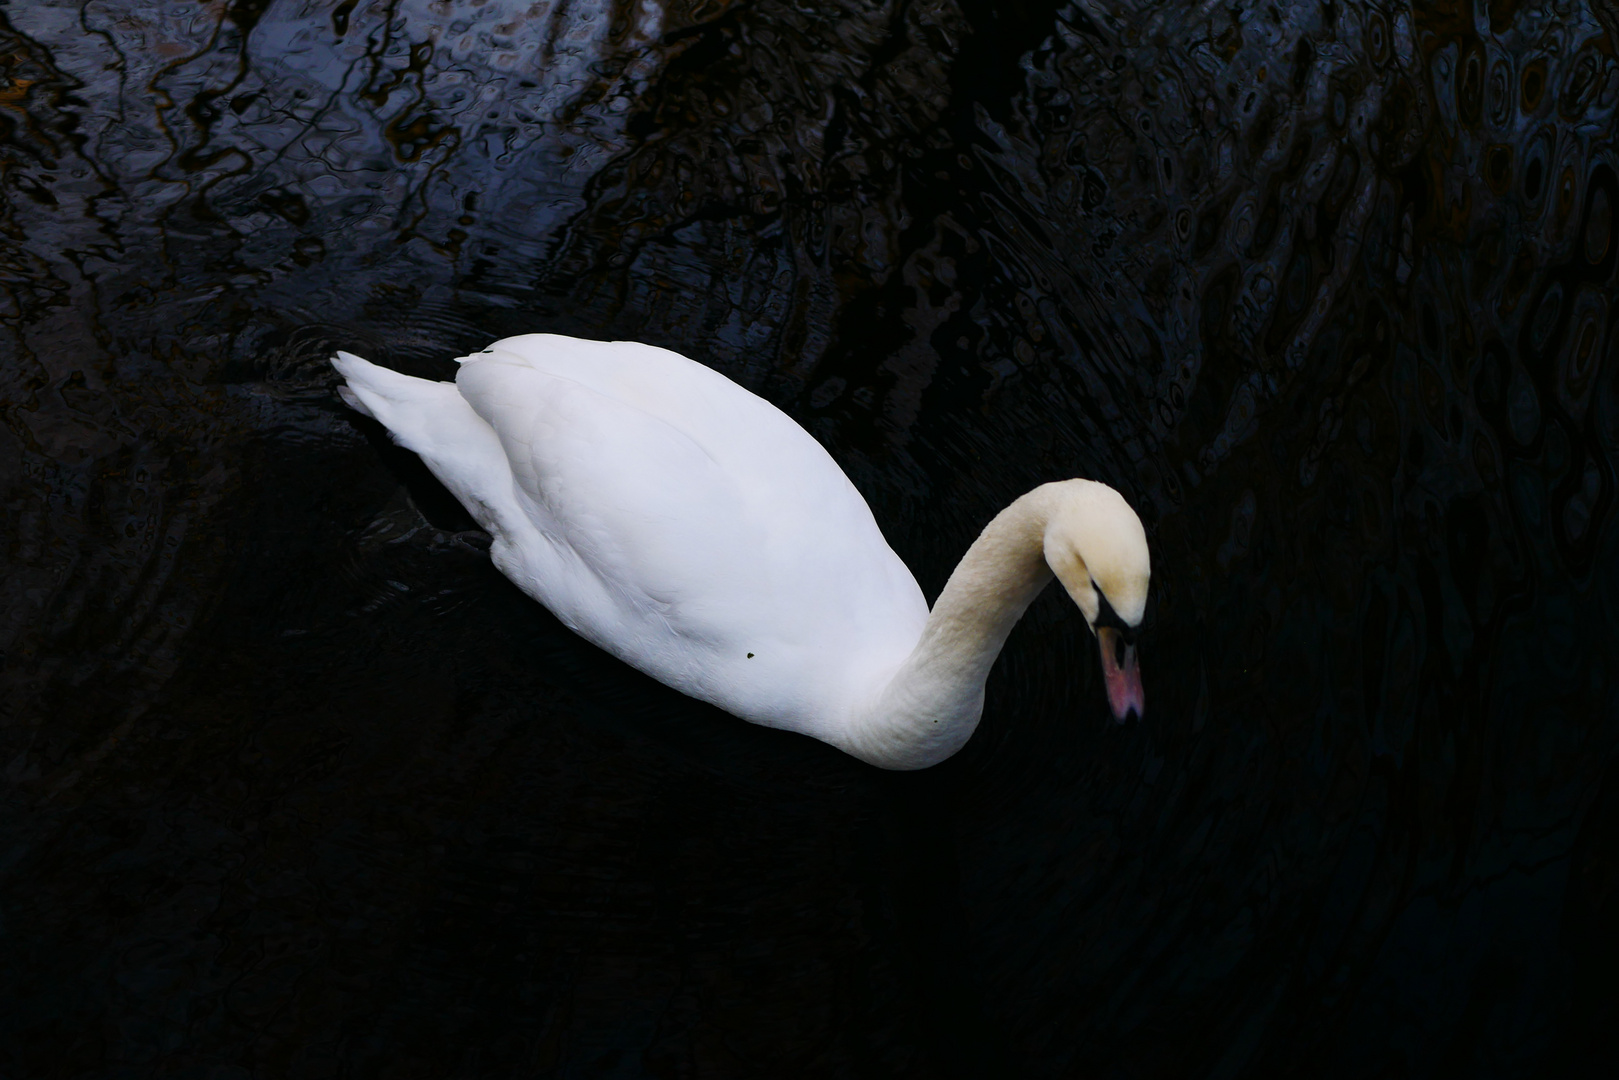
(1122, 676)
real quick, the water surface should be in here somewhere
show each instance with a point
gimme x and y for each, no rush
(296, 785)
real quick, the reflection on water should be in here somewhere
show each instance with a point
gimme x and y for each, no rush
(296, 784)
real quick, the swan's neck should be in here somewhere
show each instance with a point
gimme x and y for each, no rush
(931, 705)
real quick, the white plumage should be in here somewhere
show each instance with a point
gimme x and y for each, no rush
(696, 532)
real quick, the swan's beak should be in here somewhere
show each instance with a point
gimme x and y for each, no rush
(1120, 673)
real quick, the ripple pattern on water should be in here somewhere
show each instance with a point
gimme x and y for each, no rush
(295, 783)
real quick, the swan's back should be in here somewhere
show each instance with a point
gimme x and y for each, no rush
(674, 519)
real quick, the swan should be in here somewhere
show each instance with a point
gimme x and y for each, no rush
(693, 530)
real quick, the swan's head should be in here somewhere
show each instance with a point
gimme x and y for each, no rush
(1096, 546)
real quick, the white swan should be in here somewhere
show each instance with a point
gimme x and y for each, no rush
(694, 531)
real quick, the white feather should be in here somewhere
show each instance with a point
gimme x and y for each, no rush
(693, 530)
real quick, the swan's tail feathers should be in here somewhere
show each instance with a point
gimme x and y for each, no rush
(367, 381)
(435, 421)
(352, 400)
(420, 414)
(358, 372)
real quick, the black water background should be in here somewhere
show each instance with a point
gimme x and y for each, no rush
(295, 784)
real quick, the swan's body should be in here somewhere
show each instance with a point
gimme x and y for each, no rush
(694, 531)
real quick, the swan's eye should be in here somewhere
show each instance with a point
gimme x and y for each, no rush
(1106, 616)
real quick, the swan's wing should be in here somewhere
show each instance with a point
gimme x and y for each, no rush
(746, 436)
(693, 552)
(657, 381)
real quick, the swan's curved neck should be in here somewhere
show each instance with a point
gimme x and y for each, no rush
(931, 705)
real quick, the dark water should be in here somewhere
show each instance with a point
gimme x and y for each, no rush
(296, 785)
